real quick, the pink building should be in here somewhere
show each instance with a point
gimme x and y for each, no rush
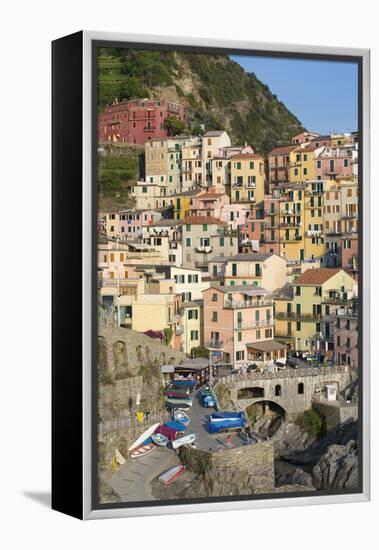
(279, 165)
(211, 203)
(239, 321)
(350, 253)
(132, 221)
(137, 120)
(346, 336)
(334, 161)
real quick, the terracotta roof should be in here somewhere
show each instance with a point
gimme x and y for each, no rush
(317, 276)
(282, 150)
(306, 148)
(246, 156)
(200, 220)
(212, 195)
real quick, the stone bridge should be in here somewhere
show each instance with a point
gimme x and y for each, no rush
(292, 390)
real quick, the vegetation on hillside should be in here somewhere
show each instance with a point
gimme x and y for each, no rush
(117, 172)
(215, 89)
(312, 422)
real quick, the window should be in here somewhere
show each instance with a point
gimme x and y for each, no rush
(258, 270)
(298, 291)
(214, 316)
(239, 336)
(188, 227)
(234, 270)
(251, 165)
(194, 335)
(205, 227)
(214, 296)
(278, 390)
(240, 355)
(222, 241)
(193, 314)
(237, 165)
(188, 241)
(319, 164)
(345, 163)
(300, 388)
(305, 157)
(144, 189)
(296, 172)
(305, 171)
(258, 334)
(298, 325)
(268, 333)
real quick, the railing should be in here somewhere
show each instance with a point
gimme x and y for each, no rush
(246, 304)
(286, 373)
(215, 344)
(255, 324)
(298, 316)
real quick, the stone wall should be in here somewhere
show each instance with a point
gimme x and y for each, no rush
(242, 470)
(122, 351)
(336, 413)
(296, 388)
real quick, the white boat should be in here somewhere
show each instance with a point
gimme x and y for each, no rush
(160, 439)
(180, 416)
(179, 402)
(143, 450)
(170, 475)
(185, 440)
(146, 434)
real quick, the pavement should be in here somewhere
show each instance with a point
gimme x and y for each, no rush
(133, 480)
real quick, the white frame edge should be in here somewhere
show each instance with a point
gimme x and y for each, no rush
(88, 512)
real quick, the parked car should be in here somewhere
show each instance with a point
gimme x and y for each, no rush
(280, 364)
(292, 363)
(251, 367)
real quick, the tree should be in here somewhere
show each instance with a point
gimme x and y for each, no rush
(175, 126)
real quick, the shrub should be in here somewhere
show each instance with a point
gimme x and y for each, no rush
(312, 422)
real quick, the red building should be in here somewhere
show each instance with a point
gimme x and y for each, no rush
(137, 120)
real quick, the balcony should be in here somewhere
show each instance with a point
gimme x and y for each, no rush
(255, 324)
(149, 128)
(293, 238)
(247, 304)
(314, 233)
(292, 315)
(290, 224)
(215, 345)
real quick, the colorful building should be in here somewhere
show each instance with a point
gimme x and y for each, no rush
(205, 237)
(265, 270)
(239, 322)
(247, 178)
(137, 120)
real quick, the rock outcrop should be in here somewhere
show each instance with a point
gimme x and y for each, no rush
(337, 468)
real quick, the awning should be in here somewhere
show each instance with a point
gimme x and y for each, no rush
(269, 345)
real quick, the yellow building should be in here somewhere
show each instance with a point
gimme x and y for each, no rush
(317, 294)
(302, 163)
(247, 178)
(112, 224)
(182, 203)
(190, 329)
(301, 221)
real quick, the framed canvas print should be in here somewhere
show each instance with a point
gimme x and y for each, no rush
(210, 275)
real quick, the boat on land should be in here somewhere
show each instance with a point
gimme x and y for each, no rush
(185, 440)
(180, 416)
(226, 424)
(174, 406)
(174, 401)
(179, 389)
(184, 382)
(177, 395)
(178, 426)
(170, 475)
(160, 439)
(143, 437)
(222, 415)
(143, 450)
(170, 433)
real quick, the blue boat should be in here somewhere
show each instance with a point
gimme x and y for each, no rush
(226, 424)
(178, 426)
(227, 414)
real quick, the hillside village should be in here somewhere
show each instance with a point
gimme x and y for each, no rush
(229, 252)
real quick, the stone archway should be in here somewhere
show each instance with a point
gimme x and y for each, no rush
(251, 393)
(265, 415)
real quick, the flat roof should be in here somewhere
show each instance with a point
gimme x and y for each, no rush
(268, 345)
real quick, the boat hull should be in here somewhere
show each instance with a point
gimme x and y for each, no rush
(146, 434)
